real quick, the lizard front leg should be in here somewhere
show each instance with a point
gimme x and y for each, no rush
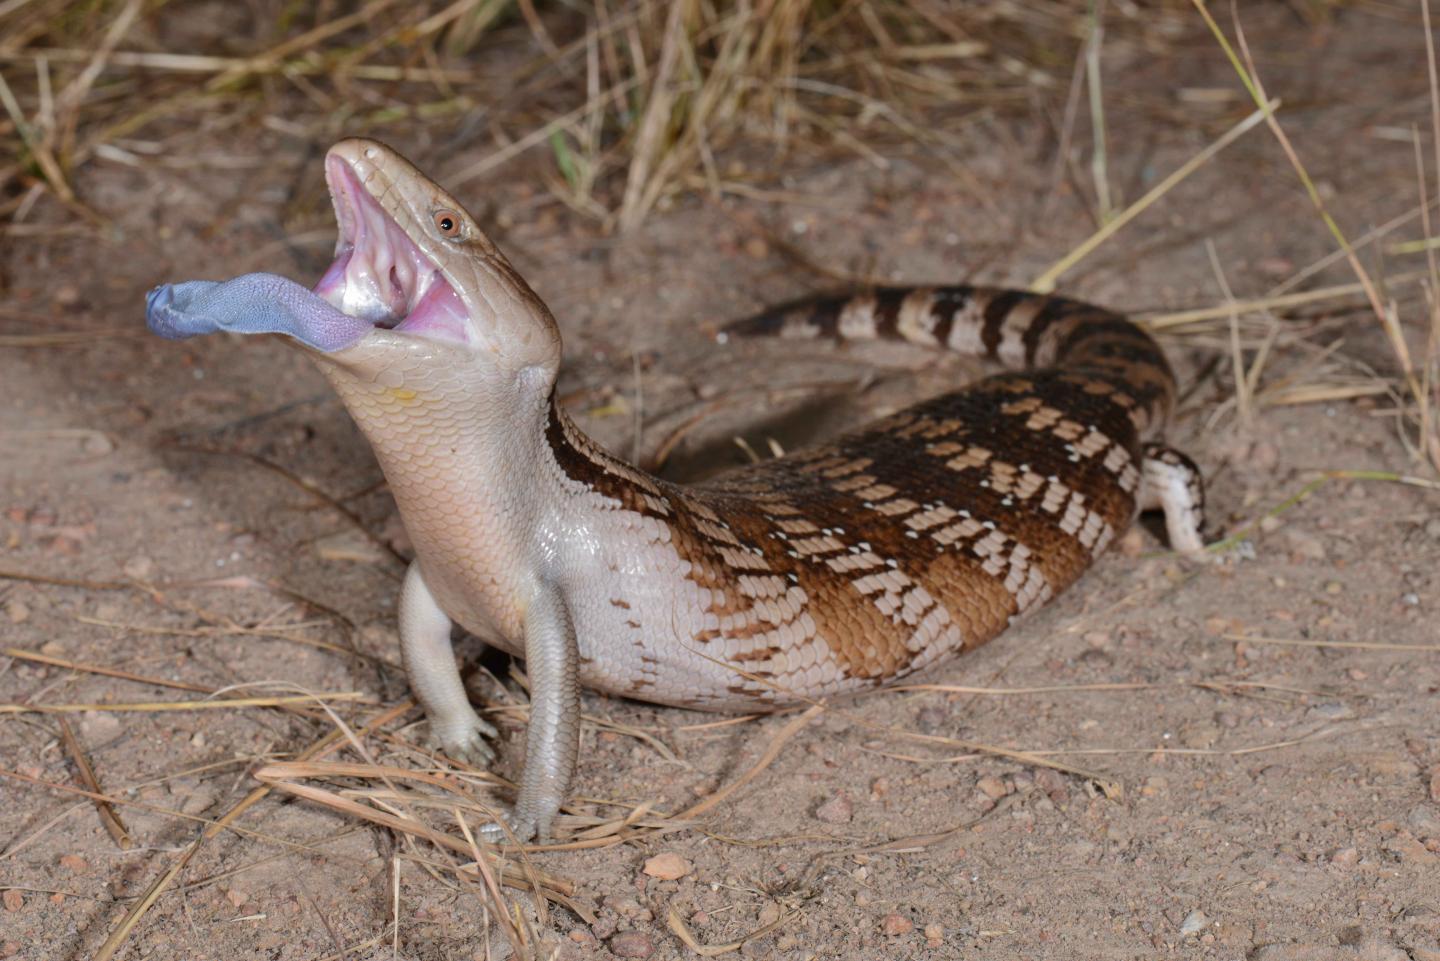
(430, 665)
(552, 742)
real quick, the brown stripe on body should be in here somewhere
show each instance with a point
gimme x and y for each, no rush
(996, 311)
(945, 303)
(1058, 316)
(888, 301)
(1013, 538)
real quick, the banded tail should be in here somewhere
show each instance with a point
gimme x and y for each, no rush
(1018, 329)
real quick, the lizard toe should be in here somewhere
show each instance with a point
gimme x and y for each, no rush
(466, 742)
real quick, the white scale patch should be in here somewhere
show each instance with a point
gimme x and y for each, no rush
(931, 517)
(1007, 558)
(857, 319)
(717, 533)
(799, 327)
(916, 321)
(743, 559)
(811, 546)
(851, 484)
(764, 586)
(973, 457)
(899, 506)
(876, 492)
(965, 530)
(839, 466)
(965, 334)
(1029, 483)
(1011, 349)
(1116, 459)
(1045, 418)
(857, 560)
(1129, 479)
(1093, 444)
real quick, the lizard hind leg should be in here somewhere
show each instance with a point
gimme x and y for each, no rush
(1170, 482)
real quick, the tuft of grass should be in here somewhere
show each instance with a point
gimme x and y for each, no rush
(1417, 379)
(638, 102)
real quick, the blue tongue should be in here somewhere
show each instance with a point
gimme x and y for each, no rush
(251, 304)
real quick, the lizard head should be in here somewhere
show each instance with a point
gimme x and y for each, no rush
(416, 286)
(413, 263)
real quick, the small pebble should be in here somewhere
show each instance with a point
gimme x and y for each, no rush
(992, 787)
(1331, 711)
(604, 925)
(1052, 782)
(12, 899)
(667, 866)
(73, 862)
(1193, 923)
(837, 810)
(631, 944)
(627, 907)
(1435, 785)
(1344, 856)
(894, 924)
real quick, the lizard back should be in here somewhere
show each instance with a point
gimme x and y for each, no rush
(856, 562)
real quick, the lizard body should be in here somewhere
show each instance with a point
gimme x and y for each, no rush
(833, 569)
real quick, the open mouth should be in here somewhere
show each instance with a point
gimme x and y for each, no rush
(380, 275)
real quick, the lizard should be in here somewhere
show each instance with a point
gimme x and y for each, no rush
(831, 570)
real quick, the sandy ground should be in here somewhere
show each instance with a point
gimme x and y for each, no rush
(1276, 800)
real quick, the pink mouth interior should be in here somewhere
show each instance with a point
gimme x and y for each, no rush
(379, 274)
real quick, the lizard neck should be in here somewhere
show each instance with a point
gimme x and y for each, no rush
(468, 467)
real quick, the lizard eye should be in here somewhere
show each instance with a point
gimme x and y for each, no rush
(448, 223)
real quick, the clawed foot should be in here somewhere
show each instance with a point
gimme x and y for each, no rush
(463, 739)
(520, 829)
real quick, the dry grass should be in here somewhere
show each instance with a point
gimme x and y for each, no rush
(1417, 382)
(634, 101)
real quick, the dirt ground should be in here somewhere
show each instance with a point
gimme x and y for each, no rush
(1276, 800)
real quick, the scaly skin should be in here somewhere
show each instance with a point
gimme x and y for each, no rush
(835, 569)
